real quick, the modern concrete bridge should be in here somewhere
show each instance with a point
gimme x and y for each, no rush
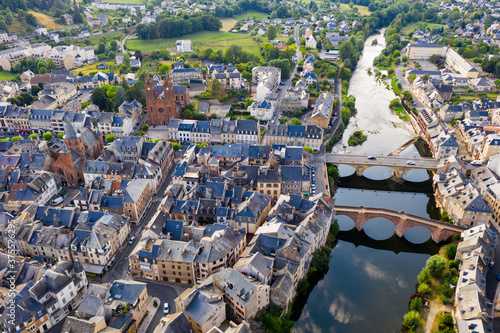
(360, 163)
(440, 231)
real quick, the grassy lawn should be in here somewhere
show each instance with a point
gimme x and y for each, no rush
(86, 70)
(250, 14)
(228, 24)
(47, 21)
(94, 41)
(6, 76)
(409, 28)
(217, 40)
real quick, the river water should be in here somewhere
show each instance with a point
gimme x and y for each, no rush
(372, 273)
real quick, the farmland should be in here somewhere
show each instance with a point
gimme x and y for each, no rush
(362, 10)
(47, 21)
(228, 24)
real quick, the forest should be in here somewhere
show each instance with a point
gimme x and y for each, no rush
(175, 26)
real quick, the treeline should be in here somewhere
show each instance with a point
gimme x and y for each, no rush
(232, 55)
(241, 7)
(36, 65)
(176, 26)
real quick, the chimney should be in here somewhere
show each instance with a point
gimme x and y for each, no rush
(447, 166)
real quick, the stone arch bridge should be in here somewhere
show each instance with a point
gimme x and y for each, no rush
(440, 231)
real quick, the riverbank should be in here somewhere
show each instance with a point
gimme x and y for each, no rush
(433, 294)
(275, 320)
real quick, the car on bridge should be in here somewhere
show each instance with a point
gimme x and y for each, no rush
(371, 157)
(410, 162)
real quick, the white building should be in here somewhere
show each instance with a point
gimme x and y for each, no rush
(265, 80)
(184, 45)
(311, 42)
(262, 110)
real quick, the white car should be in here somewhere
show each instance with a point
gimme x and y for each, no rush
(410, 162)
(165, 308)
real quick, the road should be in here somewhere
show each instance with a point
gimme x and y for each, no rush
(288, 83)
(119, 269)
(132, 30)
(389, 161)
(75, 103)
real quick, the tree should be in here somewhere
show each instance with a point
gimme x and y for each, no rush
(60, 135)
(283, 120)
(110, 138)
(295, 121)
(48, 136)
(411, 319)
(309, 149)
(3, 25)
(271, 32)
(100, 99)
(424, 276)
(416, 304)
(436, 265)
(16, 138)
(248, 76)
(145, 127)
(34, 136)
(345, 73)
(424, 288)
(217, 88)
(113, 45)
(451, 251)
(176, 146)
(446, 321)
(101, 48)
(140, 133)
(163, 69)
(284, 64)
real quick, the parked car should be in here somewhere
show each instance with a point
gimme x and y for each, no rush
(165, 308)
(491, 264)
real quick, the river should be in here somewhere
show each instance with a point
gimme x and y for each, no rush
(372, 273)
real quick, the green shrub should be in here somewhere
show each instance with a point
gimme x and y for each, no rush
(424, 288)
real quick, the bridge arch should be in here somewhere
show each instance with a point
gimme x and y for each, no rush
(402, 221)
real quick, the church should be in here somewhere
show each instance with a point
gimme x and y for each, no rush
(164, 101)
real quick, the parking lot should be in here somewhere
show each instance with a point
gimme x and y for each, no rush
(311, 173)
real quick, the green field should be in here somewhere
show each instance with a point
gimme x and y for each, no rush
(251, 14)
(106, 38)
(6, 76)
(217, 40)
(362, 10)
(409, 28)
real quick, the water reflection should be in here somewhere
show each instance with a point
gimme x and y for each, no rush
(379, 228)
